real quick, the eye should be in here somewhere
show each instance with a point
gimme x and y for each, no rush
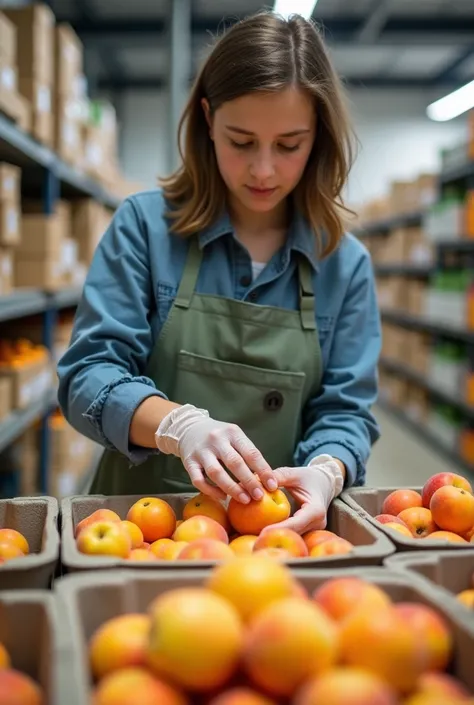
(240, 145)
(286, 148)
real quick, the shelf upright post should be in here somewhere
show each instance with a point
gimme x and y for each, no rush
(51, 191)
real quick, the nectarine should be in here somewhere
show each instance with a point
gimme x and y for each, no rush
(253, 517)
(446, 536)
(251, 583)
(9, 550)
(332, 547)
(98, 515)
(136, 685)
(167, 549)
(200, 527)
(154, 517)
(118, 643)
(346, 686)
(431, 629)
(313, 538)
(243, 545)
(141, 554)
(442, 479)
(399, 528)
(400, 499)
(19, 689)
(290, 641)
(16, 538)
(339, 597)
(105, 538)
(202, 505)
(241, 696)
(380, 640)
(453, 509)
(206, 550)
(282, 538)
(134, 532)
(196, 638)
(386, 518)
(419, 520)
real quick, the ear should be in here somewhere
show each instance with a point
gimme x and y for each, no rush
(207, 114)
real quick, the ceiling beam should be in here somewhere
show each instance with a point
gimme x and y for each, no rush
(450, 72)
(375, 20)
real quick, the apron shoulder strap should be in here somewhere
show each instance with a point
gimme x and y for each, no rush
(307, 298)
(190, 274)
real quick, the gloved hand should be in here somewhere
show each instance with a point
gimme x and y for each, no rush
(314, 487)
(206, 447)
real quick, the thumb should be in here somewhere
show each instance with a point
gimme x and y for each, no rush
(285, 476)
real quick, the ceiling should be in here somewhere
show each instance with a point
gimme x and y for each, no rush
(374, 43)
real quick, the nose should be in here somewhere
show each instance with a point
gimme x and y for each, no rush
(262, 166)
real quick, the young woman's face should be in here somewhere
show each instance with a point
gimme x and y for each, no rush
(262, 143)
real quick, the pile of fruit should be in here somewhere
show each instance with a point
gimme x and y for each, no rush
(12, 545)
(253, 635)
(466, 597)
(15, 687)
(208, 530)
(443, 511)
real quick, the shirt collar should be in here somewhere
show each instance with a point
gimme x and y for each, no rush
(300, 236)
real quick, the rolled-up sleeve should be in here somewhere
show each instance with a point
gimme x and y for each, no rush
(339, 421)
(101, 380)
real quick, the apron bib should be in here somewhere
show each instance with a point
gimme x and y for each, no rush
(255, 366)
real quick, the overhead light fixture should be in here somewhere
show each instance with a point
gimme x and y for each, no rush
(286, 8)
(453, 104)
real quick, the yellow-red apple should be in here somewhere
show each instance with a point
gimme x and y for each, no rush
(16, 538)
(202, 505)
(295, 634)
(135, 533)
(388, 518)
(167, 549)
(141, 554)
(400, 499)
(200, 527)
(346, 686)
(282, 538)
(119, 643)
(154, 517)
(399, 528)
(419, 520)
(317, 536)
(206, 550)
(251, 583)
(453, 509)
(243, 545)
(98, 515)
(196, 638)
(19, 689)
(136, 685)
(442, 479)
(446, 536)
(432, 629)
(253, 517)
(332, 547)
(105, 538)
(339, 597)
(442, 684)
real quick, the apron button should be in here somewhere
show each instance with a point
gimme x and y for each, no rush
(273, 401)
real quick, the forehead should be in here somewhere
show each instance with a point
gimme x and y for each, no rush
(276, 113)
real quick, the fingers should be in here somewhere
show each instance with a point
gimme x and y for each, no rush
(199, 481)
(286, 477)
(248, 480)
(253, 459)
(217, 473)
(307, 518)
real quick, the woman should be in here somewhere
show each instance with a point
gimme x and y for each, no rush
(228, 333)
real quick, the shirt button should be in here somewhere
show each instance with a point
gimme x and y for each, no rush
(253, 296)
(245, 281)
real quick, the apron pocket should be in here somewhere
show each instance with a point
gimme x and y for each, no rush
(265, 403)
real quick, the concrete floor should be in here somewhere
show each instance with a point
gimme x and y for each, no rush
(399, 459)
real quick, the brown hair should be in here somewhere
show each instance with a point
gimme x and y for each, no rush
(265, 53)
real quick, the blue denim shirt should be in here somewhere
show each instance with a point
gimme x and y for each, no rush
(130, 289)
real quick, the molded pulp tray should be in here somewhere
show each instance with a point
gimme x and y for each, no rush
(37, 519)
(367, 502)
(449, 571)
(87, 600)
(371, 546)
(35, 639)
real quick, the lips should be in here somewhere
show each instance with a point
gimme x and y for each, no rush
(261, 191)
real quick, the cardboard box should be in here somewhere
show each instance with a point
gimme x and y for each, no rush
(39, 94)
(29, 382)
(6, 272)
(8, 77)
(42, 235)
(69, 59)
(6, 397)
(9, 224)
(35, 41)
(415, 296)
(68, 130)
(42, 272)
(8, 40)
(10, 183)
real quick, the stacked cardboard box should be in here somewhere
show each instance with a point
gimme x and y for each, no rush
(68, 106)
(403, 197)
(34, 58)
(10, 185)
(11, 102)
(28, 367)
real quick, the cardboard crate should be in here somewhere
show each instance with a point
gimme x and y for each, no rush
(30, 382)
(8, 40)
(9, 224)
(90, 599)
(31, 631)
(10, 183)
(371, 546)
(367, 502)
(35, 40)
(37, 519)
(450, 571)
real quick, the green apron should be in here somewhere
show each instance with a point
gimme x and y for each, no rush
(252, 365)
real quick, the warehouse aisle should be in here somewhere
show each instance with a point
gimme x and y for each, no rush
(399, 459)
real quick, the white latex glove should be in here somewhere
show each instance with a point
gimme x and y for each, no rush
(206, 447)
(314, 487)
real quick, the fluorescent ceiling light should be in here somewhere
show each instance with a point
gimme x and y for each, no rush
(286, 8)
(453, 104)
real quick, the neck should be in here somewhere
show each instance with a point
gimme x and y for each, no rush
(256, 223)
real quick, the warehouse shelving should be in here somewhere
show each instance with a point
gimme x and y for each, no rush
(421, 381)
(422, 324)
(460, 172)
(379, 227)
(430, 438)
(45, 173)
(403, 270)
